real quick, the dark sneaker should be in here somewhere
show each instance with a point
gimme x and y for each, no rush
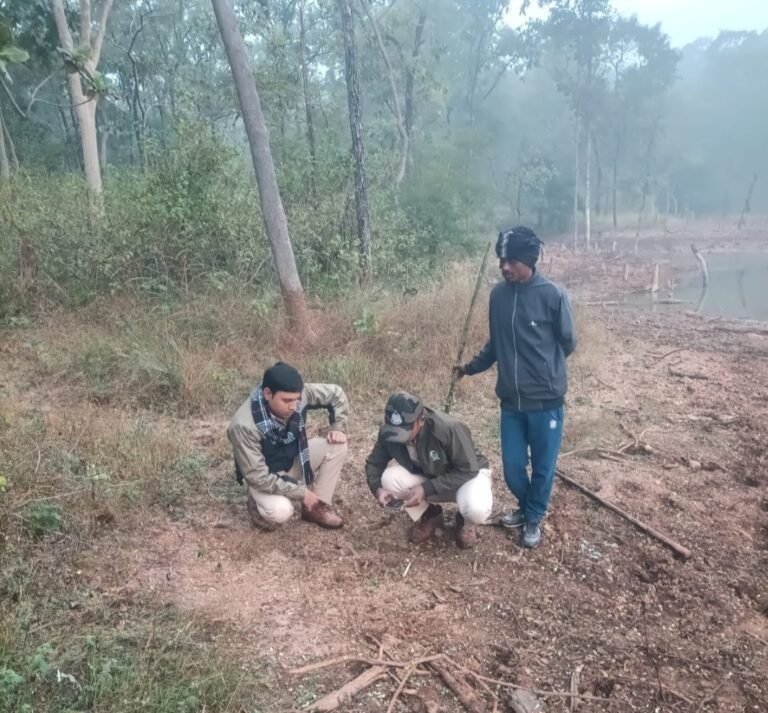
(322, 514)
(259, 522)
(426, 525)
(513, 520)
(531, 536)
(466, 535)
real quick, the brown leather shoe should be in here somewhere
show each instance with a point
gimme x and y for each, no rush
(466, 535)
(322, 514)
(426, 525)
(259, 522)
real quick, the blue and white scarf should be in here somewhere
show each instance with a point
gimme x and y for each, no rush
(284, 433)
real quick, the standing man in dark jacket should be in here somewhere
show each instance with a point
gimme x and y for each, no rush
(436, 461)
(531, 334)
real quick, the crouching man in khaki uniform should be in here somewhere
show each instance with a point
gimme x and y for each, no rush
(436, 461)
(275, 458)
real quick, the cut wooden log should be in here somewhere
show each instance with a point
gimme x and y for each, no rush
(343, 695)
(460, 688)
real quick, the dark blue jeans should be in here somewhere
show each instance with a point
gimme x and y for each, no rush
(543, 432)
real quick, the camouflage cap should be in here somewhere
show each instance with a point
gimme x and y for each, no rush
(402, 411)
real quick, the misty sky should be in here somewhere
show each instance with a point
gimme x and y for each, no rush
(685, 20)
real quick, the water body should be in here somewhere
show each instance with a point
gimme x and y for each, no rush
(738, 287)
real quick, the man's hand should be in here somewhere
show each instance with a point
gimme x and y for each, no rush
(336, 437)
(458, 371)
(384, 497)
(415, 496)
(310, 499)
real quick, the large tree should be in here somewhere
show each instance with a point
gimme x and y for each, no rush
(85, 83)
(275, 222)
(355, 104)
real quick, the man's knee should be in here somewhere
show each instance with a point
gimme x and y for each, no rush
(476, 512)
(396, 479)
(279, 510)
(337, 451)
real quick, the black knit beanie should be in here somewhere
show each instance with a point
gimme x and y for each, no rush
(282, 377)
(520, 244)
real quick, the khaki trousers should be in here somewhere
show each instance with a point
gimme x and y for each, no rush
(474, 498)
(326, 460)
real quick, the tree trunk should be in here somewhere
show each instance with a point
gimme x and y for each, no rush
(308, 105)
(599, 186)
(614, 182)
(646, 182)
(103, 150)
(576, 188)
(84, 106)
(272, 211)
(410, 80)
(747, 201)
(70, 143)
(13, 159)
(5, 166)
(399, 123)
(587, 190)
(86, 120)
(354, 100)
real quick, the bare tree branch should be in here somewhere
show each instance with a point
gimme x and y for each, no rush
(10, 96)
(99, 41)
(61, 24)
(85, 23)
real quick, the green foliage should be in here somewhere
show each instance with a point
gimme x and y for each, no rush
(366, 322)
(42, 519)
(9, 53)
(157, 667)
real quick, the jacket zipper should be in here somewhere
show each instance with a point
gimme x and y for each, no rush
(514, 348)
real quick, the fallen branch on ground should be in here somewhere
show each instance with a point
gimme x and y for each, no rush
(712, 695)
(453, 674)
(682, 551)
(460, 688)
(596, 450)
(686, 375)
(659, 359)
(349, 690)
(351, 658)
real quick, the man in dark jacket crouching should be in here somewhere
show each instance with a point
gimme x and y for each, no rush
(435, 461)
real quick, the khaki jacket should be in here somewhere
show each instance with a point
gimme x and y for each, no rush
(246, 438)
(447, 455)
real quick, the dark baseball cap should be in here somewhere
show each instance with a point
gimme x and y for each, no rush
(401, 412)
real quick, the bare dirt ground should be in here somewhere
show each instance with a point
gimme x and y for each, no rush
(647, 631)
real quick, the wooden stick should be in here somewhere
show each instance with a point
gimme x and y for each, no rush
(575, 676)
(352, 658)
(461, 689)
(469, 671)
(686, 375)
(537, 691)
(465, 329)
(349, 690)
(400, 688)
(684, 552)
(602, 452)
(710, 696)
